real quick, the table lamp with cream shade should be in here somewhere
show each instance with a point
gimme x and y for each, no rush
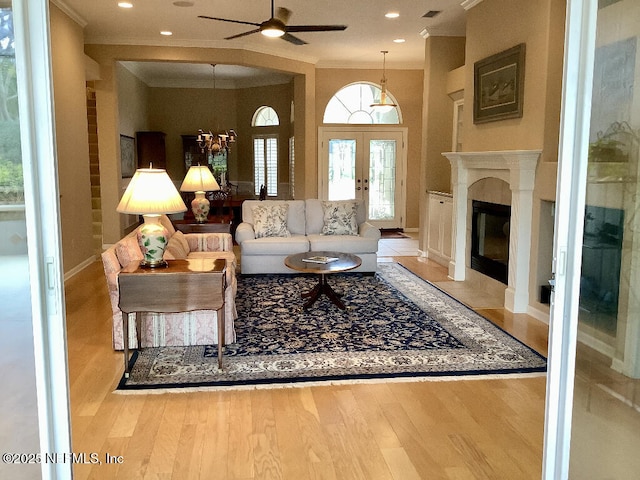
(151, 193)
(199, 179)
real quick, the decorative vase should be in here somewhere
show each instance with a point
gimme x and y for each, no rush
(152, 237)
(200, 207)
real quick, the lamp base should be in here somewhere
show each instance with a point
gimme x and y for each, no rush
(152, 238)
(161, 264)
(200, 207)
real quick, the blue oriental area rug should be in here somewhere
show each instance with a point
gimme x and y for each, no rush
(396, 326)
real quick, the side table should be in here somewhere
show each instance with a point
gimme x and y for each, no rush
(182, 286)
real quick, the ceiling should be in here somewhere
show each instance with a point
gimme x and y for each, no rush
(368, 33)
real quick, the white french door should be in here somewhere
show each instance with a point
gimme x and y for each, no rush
(367, 164)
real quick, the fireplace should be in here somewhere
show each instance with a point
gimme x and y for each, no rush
(518, 169)
(490, 239)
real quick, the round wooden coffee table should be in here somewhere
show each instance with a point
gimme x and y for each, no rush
(342, 262)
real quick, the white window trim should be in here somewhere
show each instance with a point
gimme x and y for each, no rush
(258, 113)
(256, 188)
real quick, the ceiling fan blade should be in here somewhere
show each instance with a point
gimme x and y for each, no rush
(283, 14)
(295, 40)
(242, 34)
(316, 28)
(229, 20)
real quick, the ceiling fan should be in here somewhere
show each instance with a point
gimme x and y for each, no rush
(277, 26)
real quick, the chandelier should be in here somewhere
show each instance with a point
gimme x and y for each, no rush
(213, 143)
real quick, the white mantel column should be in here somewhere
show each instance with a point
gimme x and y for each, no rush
(457, 264)
(522, 182)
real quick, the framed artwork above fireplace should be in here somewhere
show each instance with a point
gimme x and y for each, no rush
(499, 86)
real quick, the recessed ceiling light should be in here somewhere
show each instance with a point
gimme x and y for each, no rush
(166, 33)
(392, 14)
(125, 4)
(399, 40)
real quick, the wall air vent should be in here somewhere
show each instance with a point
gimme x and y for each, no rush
(432, 13)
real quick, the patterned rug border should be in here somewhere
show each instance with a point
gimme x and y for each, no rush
(483, 357)
(151, 390)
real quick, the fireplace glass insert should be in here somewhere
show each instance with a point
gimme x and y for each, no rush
(490, 240)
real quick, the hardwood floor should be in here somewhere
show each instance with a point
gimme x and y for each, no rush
(468, 429)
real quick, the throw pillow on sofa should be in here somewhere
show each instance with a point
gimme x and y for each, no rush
(270, 220)
(340, 218)
(128, 250)
(177, 248)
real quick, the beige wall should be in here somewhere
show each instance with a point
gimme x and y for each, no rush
(442, 55)
(107, 106)
(133, 103)
(406, 88)
(182, 111)
(133, 98)
(540, 25)
(517, 21)
(71, 139)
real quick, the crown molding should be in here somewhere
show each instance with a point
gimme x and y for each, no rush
(469, 4)
(70, 12)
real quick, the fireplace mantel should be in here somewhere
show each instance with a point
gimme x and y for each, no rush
(518, 169)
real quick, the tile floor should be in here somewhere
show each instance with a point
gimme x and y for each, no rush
(399, 247)
(469, 293)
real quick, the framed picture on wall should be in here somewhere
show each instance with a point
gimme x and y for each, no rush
(498, 84)
(127, 156)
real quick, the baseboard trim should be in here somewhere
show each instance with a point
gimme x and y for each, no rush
(538, 314)
(78, 268)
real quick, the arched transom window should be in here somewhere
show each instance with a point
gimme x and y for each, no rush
(265, 117)
(352, 104)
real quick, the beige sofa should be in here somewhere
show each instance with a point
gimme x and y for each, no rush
(305, 223)
(173, 329)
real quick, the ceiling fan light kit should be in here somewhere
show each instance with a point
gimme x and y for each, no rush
(272, 28)
(277, 26)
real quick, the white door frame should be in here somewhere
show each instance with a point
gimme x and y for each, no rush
(401, 160)
(37, 135)
(567, 252)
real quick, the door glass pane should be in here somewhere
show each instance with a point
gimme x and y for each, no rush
(605, 438)
(382, 179)
(19, 426)
(342, 169)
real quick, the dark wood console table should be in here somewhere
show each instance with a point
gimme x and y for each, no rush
(183, 286)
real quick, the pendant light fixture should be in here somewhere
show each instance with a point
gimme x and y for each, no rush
(384, 105)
